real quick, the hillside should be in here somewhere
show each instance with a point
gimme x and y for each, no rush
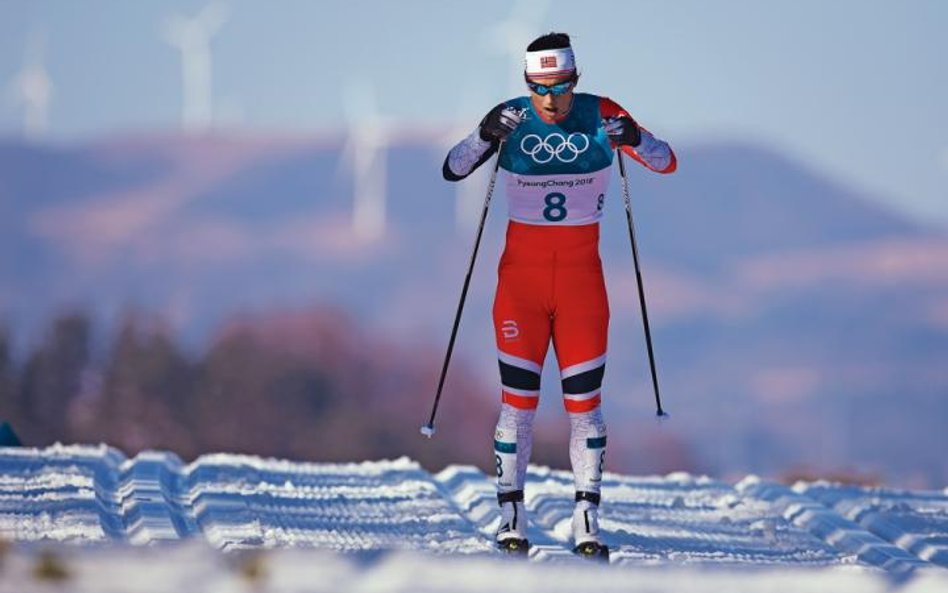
(798, 325)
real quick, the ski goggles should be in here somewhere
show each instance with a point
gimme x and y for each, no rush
(557, 89)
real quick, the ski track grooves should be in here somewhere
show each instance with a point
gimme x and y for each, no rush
(475, 496)
(96, 496)
(914, 521)
(682, 518)
(831, 527)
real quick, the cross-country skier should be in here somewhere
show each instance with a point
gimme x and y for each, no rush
(558, 146)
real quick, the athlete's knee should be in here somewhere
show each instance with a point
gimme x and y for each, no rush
(515, 419)
(582, 385)
(589, 423)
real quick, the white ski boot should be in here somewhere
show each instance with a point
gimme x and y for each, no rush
(512, 533)
(586, 528)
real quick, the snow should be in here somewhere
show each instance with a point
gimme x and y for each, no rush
(236, 523)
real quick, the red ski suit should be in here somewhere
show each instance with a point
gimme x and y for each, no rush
(550, 281)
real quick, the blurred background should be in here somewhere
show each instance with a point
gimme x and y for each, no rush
(223, 228)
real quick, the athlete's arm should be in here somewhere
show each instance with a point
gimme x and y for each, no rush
(467, 155)
(473, 151)
(652, 152)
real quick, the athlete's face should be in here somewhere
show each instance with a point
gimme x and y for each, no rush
(552, 107)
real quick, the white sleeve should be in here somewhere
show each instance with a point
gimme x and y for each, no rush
(465, 155)
(655, 153)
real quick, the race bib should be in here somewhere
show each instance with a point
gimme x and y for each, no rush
(569, 199)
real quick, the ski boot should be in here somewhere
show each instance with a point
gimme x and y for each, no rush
(511, 535)
(586, 528)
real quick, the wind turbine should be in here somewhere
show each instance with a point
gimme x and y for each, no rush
(365, 151)
(192, 37)
(33, 88)
(511, 36)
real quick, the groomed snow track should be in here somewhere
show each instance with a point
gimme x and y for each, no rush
(377, 512)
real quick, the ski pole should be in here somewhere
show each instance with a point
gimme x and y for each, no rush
(429, 429)
(638, 277)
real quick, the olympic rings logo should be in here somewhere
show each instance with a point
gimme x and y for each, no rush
(565, 149)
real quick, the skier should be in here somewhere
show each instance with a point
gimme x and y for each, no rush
(556, 147)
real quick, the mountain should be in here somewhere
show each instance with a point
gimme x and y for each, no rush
(798, 325)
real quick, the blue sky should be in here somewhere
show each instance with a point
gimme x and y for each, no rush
(854, 88)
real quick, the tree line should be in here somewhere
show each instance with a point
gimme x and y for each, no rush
(306, 385)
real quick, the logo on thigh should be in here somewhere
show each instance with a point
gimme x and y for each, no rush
(510, 330)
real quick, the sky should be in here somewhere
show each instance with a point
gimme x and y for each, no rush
(855, 89)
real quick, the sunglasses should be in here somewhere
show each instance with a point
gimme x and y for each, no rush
(557, 89)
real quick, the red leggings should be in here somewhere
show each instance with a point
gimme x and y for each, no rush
(550, 285)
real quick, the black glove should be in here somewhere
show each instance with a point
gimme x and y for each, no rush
(499, 123)
(623, 131)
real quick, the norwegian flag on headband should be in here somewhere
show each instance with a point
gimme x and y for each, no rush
(549, 61)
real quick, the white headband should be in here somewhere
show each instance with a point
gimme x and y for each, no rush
(550, 62)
